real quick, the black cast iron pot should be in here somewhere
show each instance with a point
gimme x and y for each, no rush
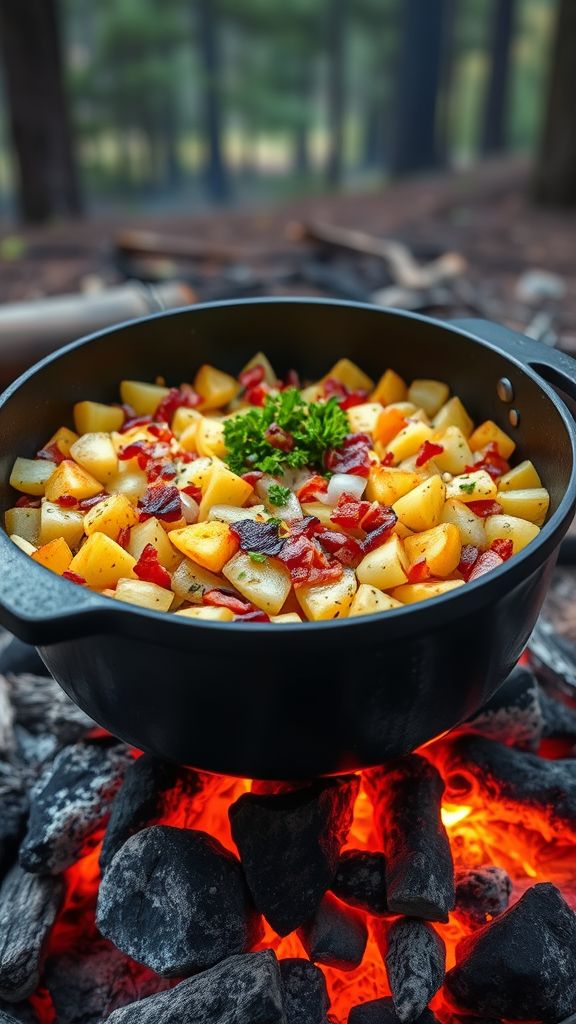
(298, 700)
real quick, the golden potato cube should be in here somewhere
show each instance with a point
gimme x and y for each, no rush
(182, 419)
(56, 521)
(456, 455)
(505, 527)
(531, 503)
(145, 595)
(369, 601)
(69, 478)
(91, 417)
(96, 454)
(188, 436)
(286, 617)
(31, 476)
(470, 526)
(142, 396)
(439, 547)
(129, 480)
(208, 613)
(209, 544)
(64, 439)
(196, 473)
(520, 477)
(23, 544)
(409, 440)
(321, 511)
(190, 581)
(259, 359)
(233, 514)
(390, 388)
(25, 522)
(386, 484)
(350, 375)
(215, 388)
(429, 395)
(475, 486)
(453, 414)
(421, 508)
(386, 566)
(111, 515)
(364, 417)
(267, 584)
(152, 532)
(410, 593)
(490, 433)
(209, 438)
(223, 488)
(328, 600)
(55, 555)
(102, 562)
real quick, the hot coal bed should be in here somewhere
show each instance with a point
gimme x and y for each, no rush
(439, 888)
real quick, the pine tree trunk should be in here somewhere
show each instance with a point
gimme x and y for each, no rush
(216, 175)
(555, 174)
(496, 106)
(38, 111)
(336, 90)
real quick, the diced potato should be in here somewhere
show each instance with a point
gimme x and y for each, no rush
(210, 437)
(208, 613)
(490, 433)
(386, 484)
(421, 508)
(196, 473)
(470, 526)
(64, 439)
(386, 566)
(456, 455)
(223, 488)
(129, 480)
(520, 477)
(350, 375)
(328, 600)
(369, 601)
(96, 453)
(401, 531)
(233, 514)
(56, 521)
(531, 503)
(143, 397)
(439, 547)
(209, 544)
(410, 593)
(69, 478)
(182, 419)
(267, 584)
(363, 418)
(428, 469)
(190, 581)
(152, 532)
(102, 562)
(145, 595)
(111, 515)
(188, 435)
(91, 417)
(475, 486)
(55, 555)
(31, 476)
(519, 531)
(409, 440)
(215, 387)
(390, 388)
(321, 511)
(23, 544)
(285, 618)
(259, 359)
(429, 394)
(24, 522)
(389, 424)
(453, 414)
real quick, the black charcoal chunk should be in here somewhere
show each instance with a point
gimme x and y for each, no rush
(15, 780)
(7, 1018)
(336, 935)
(521, 966)
(41, 706)
(241, 990)
(28, 908)
(381, 1011)
(482, 892)
(289, 846)
(559, 718)
(304, 992)
(176, 900)
(415, 960)
(513, 716)
(70, 801)
(22, 1013)
(7, 737)
(360, 880)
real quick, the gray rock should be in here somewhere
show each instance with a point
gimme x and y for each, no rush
(28, 908)
(304, 991)
(415, 960)
(336, 936)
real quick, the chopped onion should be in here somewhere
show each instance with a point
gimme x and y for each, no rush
(344, 483)
(289, 512)
(190, 508)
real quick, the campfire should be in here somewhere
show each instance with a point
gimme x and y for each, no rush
(433, 888)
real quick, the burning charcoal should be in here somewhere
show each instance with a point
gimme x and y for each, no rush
(514, 715)
(28, 908)
(304, 991)
(14, 802)
(336, 936)
(70, 801)
(481, 892)
(381, 1011)
(176, 900)
(559, 718)
(415, 960)
(289, 846)
(520, 966)
(41, 706)
(361, 881)
(407, 797)
(86, 984)
(21, 1013)
(243, 990)
(504, 778)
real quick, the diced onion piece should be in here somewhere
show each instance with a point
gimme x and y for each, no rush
(190, 508)
(344, 483)
(234, 514)
(289, 512)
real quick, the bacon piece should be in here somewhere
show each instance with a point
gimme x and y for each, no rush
(148, 568)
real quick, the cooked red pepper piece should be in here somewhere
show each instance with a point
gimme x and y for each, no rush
(345, 397)
(183, 397)
(160, 501)
(73, 577)
(148, 568)
(193, 492)
(468, 558)
(428, 451)
(492, 462)
(220, 599)
(279, 438)
(257, 394)
(502, 547)
(485, 507)
(487, 561)
(250, 378)
(67, 501)
(252, 477)
(123, 537)
(138, 450)
(352, 457)
(387, 459)
(51, 453)
(312, 489)
(160, 432)
(419, 572)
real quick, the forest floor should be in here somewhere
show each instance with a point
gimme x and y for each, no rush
(483, 213)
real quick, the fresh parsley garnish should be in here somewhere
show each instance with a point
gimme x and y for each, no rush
(315, 427)
(278, 495)
(257, 556)
(468, 488)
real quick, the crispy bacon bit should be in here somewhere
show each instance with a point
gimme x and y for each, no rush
(485, 507)
(160, 501)
(345, 397)
(279, 438)
(377, 537)
(387, 459)
(161, 433)
(419, 572)
(487, 561)
(26, 501)
(492, 462)
(313, 489)
(379, 517)
(252, 477)
(428, 451)
(250, 378)
(193, 492)
(353, 457)
(260, 537)
(306, 563)
(67, 501)
(73, 577)
(148, 568)
(307, 526)
(348, 511)
(183, 397)
(347, 550)
(51, 453)
(256, 616)
(87, 503)
(468, 559)
(134, 421)
(257, 395)
(123, 537)
(138, 450)
(221, 599)
(502, 547)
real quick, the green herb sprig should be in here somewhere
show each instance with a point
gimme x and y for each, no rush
(278, 495)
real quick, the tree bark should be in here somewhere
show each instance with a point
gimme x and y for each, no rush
(38, 110)
(216, 174)
(336, 90)
(554, 181)
(496, 105)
